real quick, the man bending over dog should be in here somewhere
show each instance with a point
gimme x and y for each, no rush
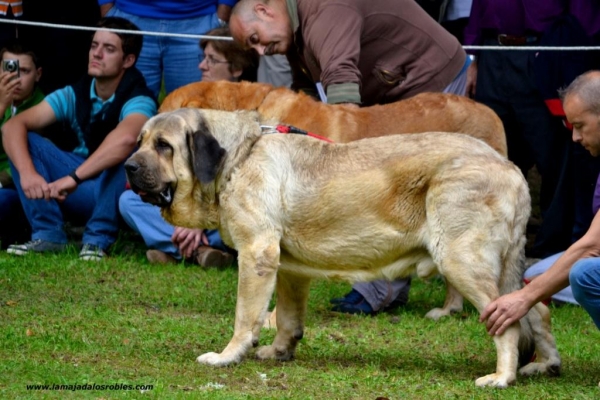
(103, 114)
(357, 66)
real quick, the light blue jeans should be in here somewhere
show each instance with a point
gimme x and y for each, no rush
(145, 219)
(176, 58)
(585, 283)
(94, 202)
(565, 295)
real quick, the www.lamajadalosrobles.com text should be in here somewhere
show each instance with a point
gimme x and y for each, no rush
(91, 386)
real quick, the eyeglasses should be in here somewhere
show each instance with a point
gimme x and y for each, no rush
(210, 60)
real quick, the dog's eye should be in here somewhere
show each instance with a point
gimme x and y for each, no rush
(162, 145)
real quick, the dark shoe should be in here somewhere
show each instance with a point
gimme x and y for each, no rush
(35, 246)
(206, 256)
(90, 252)
(351, 297)
(360, 307)
(159, 257)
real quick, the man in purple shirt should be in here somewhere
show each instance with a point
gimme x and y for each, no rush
(506, 82)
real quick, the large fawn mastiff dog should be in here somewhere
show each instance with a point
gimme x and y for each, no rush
(426, 112)
(298, 208)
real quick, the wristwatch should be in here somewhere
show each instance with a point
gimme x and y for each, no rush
(77, 179)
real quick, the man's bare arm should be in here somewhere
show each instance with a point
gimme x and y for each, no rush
(508, 309)
(115, 148)
(14, 134)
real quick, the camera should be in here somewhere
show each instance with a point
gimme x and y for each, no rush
(11, 66)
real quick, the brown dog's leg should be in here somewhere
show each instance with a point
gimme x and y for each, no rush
(257, 275)
(453, 304)
(292, 297)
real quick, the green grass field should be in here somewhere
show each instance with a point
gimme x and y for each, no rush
(124, 321)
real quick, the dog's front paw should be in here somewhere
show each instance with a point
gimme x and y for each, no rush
(216, 359)
(273, 352)
(496, 380)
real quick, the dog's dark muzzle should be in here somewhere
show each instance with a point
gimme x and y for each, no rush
(158, 194)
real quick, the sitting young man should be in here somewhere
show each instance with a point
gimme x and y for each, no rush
(18, 92)
(223, 60)
(103, 114)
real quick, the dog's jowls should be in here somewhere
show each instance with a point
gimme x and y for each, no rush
(426, 112)
(298, 208)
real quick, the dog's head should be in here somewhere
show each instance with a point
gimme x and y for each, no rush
(180, 156)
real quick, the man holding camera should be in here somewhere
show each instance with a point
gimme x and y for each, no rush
(102, 115)
(18, 91)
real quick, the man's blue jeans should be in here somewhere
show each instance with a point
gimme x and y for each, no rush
(176, 58)
(94, 202)
(585, 283)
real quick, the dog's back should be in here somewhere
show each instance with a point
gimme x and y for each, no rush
(393, 200)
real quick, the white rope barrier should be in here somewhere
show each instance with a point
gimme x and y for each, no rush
(536, 48)
(198, 37)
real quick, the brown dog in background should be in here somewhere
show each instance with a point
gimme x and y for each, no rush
(426, 112)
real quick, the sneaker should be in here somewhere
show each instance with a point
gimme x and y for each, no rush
(352, 297)
(90, 252)
(159, 257)
(206, 256)
(35, 246)
(362, 307)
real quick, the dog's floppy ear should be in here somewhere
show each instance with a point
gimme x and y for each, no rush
(206, 155)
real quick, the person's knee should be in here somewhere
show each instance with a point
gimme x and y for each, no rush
(579, 278)
(126, 202)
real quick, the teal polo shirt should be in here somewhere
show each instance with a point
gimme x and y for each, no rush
(63, 103)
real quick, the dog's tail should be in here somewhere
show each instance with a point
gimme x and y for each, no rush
(511, 278)
(535, 341)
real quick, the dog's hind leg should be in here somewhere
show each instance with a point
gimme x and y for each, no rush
(474, 273)
(292, 297)
(452, 304)
(547, 361)
(258, 265)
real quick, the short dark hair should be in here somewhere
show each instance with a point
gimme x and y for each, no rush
(131, 43)
(20, 48)
(238, 58)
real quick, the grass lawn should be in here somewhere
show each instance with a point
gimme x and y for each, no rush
(124, 321)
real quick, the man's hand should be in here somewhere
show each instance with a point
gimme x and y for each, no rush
(35, 186)
(504, 311)
(188, 240)
(7, 88)
(60, 188)
(471, 79)
(224, 12)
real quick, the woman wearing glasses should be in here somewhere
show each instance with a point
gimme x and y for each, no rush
(223, 60)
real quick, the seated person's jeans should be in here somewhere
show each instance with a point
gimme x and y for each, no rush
(94, 202)
(585, 283)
